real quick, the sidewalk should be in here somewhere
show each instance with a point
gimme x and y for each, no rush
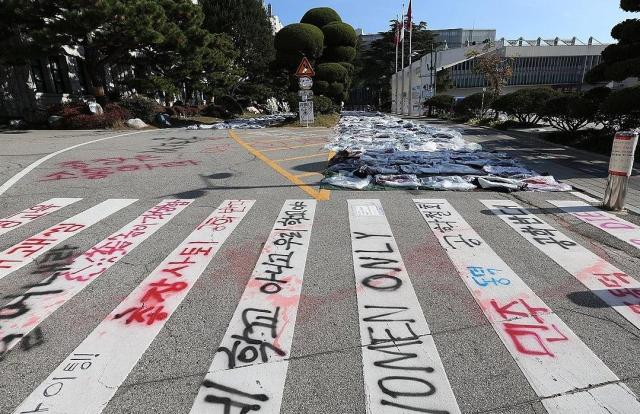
(585, 171)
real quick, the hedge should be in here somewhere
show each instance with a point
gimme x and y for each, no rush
(349, 67)
(300, 38)
(322, 104)
(141, 107)
(339, 34)
(339, 54)
(332, 72)
(321, 16)
(336, 89)
(320, 87)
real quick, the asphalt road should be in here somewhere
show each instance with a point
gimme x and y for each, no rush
(147, 360)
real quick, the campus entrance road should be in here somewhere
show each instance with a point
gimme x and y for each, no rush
(176, 271)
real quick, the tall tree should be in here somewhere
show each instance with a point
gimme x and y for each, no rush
(189, 56)
(247, 24)
(621, 60)
(108, 31)
(376, 63)
(496, 69)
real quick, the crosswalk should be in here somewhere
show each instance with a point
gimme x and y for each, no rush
(402, 368)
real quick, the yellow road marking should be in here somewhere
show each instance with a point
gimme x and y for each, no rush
(276, 140)
(297, 146)
(322, 154)
(322, 195)
(309, 174)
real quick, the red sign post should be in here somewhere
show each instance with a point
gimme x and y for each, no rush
(305, 69)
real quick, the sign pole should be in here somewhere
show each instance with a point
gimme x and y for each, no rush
(620, 169)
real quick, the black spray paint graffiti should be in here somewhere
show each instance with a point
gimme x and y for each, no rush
(391, 330)
(229, 403)
(168, 145)
(260, 328)
(53, 263)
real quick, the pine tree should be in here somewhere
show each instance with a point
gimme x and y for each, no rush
(621, 60)
(247, 24)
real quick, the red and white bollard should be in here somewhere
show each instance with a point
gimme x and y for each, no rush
(620, 169)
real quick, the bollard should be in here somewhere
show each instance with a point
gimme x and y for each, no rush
(620, 169)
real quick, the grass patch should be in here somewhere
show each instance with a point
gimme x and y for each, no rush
(322, 121)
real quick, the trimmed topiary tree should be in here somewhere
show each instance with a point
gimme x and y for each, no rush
(340, 34)
(321, 16)
(300, 40)
(332, 72)
(339, 54)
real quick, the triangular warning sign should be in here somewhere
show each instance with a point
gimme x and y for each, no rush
(305, 69)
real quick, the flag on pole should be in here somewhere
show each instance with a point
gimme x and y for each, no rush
(408, 24)
(398, 28)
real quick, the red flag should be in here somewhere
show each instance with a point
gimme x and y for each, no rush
(409, 24)
(398, 28)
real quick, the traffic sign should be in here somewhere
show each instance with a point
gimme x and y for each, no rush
(305, 69)
(306, 112)
(305, 95)
(305, 83)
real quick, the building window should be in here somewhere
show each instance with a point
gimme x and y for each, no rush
(37, 76)
(56, 74)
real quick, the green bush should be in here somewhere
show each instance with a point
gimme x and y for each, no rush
(294, 101)
(526, 105)
(440, 102)
(473, 104)
(339, 34)
(301, 40)
(349, 67)
(141, 107)
(621, 109)
(339, 54)
(321, 16)
(331, 72)
(320, 87)
(570, 112)
(336, 90)
(322, 104)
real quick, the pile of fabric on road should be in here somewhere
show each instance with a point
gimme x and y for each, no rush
(376, 151)
(248, 123)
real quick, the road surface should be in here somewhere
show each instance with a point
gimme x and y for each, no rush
(176, 271)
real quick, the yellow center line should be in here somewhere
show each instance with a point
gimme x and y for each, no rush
(322, 154)
(275, 140)
(294, 147)
(322, 195)
(309, 174)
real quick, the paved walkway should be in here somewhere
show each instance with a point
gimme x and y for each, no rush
(585, 171)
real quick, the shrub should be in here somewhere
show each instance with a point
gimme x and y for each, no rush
(300, 40)
(113, 116)
(526, 105)
(293, 100)
(336, 90)
(322, 104)
(321, 16)
(185, 110)
(473, 104)
(442, 102)
(141, 107)
(621, 109)
(339, 34)
(230, 104)
(339, 54)
(570, 112)
(320, 87)
(331, 72)
(349, 67)
(68, 109)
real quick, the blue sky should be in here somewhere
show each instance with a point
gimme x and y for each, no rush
(512, 18)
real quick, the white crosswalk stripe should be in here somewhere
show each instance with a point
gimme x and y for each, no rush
(31, 214)
(88, 378)
(612, 285)
(555, 361)
(23, 314)
(28, 250)
(249, 370)
(402, 369)
(613, 225)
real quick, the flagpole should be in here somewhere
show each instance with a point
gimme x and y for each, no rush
(410, 21)
(397, 42)
(402, 92)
